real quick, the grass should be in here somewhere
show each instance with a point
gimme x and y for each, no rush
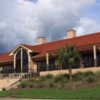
(50, 93)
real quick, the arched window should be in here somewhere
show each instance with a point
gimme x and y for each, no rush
(18, 62)
(21, 60)
(25, 60)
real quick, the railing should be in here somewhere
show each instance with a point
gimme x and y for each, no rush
(11, 75)
(19, 75)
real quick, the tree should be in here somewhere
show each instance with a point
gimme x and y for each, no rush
(68, 57)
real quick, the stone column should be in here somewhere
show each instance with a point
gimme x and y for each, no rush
(95, 55)
(14, 62)
(47, 61)
(21, 60)
(29, 63)
(81, 64)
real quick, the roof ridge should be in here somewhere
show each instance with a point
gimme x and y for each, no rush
(91, 34)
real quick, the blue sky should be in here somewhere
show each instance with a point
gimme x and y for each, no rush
(93, 11)
(23, 21)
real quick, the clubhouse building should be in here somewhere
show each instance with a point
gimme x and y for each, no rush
(42, 57)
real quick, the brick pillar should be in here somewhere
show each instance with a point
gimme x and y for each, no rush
(14, 62)
(21, 60)
(95, 55)
(29, 63)
(47, 61)
(81, 64)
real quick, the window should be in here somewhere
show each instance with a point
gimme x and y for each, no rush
(52, 65)
(88, 60)
(98, 59)
(42, 66)
(8, 69)
(18, 62)
(22, 60)
(25, 61)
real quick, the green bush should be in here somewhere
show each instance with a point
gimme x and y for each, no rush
(61, 78)
(66, 76)
(49, 76)
(41, 85)
(30, 85)
(88, 73)
(90, 79)
(3, 89)
(51, 84)
(78, 76)
(33, 80)
(23, 84)
(42, 78)
(97, 75)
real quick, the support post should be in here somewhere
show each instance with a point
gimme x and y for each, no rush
(81, 64)
(95, 55)
(47, 61)
(14, 63)
(29, 63)
(21, 60)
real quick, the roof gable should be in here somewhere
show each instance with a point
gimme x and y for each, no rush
(18, 47)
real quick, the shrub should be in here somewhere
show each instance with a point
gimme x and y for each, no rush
(30, 85)
(88, 73)
(78, 76)
(41, 85)
(66, 76)
(51, 84)
(23, 84)
(97, 75)
(42, 78)
(90, 79)
(3, 89)
(33, 80)
(60, 78)
(82, 75)
(49, 76)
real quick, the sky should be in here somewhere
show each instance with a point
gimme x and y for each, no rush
(23, 21)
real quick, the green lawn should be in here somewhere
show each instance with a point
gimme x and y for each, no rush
(87, 93)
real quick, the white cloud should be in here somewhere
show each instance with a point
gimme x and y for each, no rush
(27, 20)
(87, 26)
(2, 25)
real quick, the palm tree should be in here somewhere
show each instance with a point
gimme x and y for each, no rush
(68, 57)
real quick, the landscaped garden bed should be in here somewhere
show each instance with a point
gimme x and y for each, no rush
(83, 86)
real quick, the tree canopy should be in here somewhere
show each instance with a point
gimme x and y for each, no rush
(68, 57)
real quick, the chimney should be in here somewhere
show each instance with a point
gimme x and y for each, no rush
(71, 34)
(41, 40)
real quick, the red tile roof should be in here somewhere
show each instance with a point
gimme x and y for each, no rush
(77, 41)
(81, 41)
(5, 57)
